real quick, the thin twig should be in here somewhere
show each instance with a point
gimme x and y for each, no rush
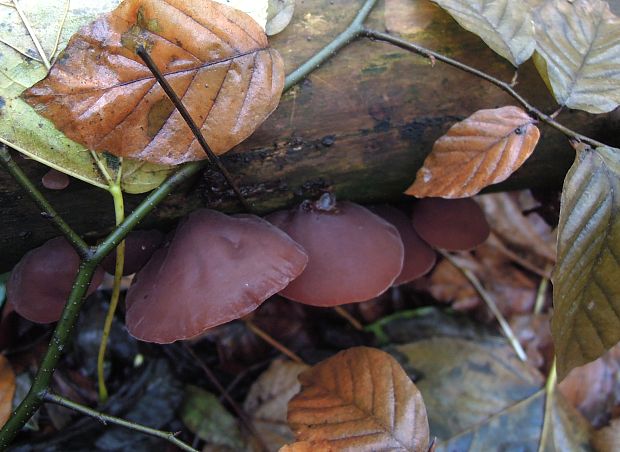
(20, 51)
(33, 36)
(503, 323)
(271, 341)
(62, 24)
(541, 295)
(548, 415)
(46, 208)
(106, 418)
(342, 312)
(415, 48)
(213, 379)
(10, 5)
(142, 53)
(352, 32)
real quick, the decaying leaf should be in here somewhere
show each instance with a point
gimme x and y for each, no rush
(580, 45)
(586, 281)
(102, 95)
(204, 415)
(256, 9)
(279, 15)
(7, 389)
(505, 25)
(267, 402)
(484, 149)
(359, 399)
(21, 66)
(479, 396)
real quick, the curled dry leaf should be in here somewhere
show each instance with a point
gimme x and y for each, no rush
(586, 280)
(482, 150)
(7, 389)
(359, 399)
(279, 15)
(216, 58)
(505, 25)
(578, 53)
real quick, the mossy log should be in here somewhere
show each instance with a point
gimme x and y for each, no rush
(360, 126)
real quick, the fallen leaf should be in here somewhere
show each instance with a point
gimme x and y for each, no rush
(479, 396)
(204, 415)
(7, 389)
(279, 15)
(607, 439)
(504, 25)
(579, 48)
(586, 280)
(101, 94)
(594, 388)
(20, 126)
(256, 9)
(484, 149)
(267, 402)
(359, 399)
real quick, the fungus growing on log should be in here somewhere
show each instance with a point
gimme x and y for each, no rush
(450, 224)
(40, 283)
(215, 269)
(419, 256)
(139, 247)
(354, 255)
(55, 180)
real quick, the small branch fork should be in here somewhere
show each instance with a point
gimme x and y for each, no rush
(91, 257)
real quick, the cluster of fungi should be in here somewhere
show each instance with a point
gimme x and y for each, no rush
(215, 268)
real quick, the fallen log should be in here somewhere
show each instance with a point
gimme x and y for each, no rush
(359, 126)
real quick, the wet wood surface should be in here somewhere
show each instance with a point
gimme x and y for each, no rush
(360, 126)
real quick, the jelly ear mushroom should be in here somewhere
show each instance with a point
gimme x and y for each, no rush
(139, 247)
(419, 256)
(354, 255)
(215, 269)
(41, 282)
(450, 224)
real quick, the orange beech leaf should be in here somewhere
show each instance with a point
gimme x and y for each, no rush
(101, 94)
(7, 389)
(359, 399)
(482, 150)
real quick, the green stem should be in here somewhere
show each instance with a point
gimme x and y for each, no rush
(47, 210)
(432, 55)
(119, 210)
(352, 32)
(549, 395)
(105, 418)
(60, 338)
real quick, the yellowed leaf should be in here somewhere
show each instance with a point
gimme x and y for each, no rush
(482, 150)
(359, 399)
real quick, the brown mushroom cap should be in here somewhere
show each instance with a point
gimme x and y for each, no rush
(354, 255)
(40, 283)
(216, 268)
(419, 256)
(450, 224)
(55, 180)
(139, 247)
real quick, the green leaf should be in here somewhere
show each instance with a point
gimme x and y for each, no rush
(205, 416)
(504, 25)
(21, 66)
(586, 295)
(580, 43)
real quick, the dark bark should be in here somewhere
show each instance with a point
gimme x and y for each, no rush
(361, 126)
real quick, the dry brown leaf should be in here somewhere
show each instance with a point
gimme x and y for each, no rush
(101, 94)
(359, 399)
(7, 389)
(482, 150)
